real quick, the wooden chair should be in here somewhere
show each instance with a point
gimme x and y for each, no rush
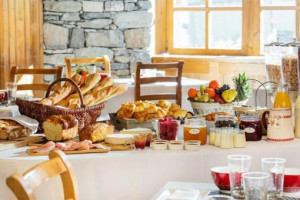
(35, 87)
(104, 59)
(159, 66)
(23, 185)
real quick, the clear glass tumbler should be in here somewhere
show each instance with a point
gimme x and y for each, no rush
(275, 168)
(237, 165)
(218, 197)
(11, 92)
(256, 185)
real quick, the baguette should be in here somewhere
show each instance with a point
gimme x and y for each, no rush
(105, 94)
(61, 92)
(75, 103)
(90, 82)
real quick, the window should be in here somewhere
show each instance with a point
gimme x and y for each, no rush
(227, 27)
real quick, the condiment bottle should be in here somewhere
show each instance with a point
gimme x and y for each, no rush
(282, 99)
(239, 139)
(195, 129)
(252, 126)
(227, 138)
(212, 136)
(297, 116)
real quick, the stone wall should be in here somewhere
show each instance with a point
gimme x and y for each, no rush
(93, 28)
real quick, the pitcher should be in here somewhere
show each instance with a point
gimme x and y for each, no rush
(280, 125)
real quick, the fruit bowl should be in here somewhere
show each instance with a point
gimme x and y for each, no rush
(220, 176)
(291, 182)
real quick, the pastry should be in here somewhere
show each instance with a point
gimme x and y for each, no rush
(10, 129)
(174, 107)
(180, 113)
(164, 103)
(140, 116)
(60, 127)
(124, 113)
(95, 132)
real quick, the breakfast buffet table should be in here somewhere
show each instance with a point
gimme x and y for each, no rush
(139, 174)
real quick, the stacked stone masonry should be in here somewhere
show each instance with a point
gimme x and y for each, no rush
(93, 28)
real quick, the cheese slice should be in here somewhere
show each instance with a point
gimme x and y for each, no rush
(136, 131)
(119, 139)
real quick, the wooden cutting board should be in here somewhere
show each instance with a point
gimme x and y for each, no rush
(20, 142)
(106, 150)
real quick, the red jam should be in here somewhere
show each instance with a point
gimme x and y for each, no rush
(252, 127)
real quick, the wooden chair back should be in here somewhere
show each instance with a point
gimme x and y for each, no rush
(70, 61)
(147, 80)
(58, 164)
(41, 71)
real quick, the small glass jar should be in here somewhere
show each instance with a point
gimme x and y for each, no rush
(251, 124)
(218, 137)
(223, 121)
(212, 136)
(195, 129)
(239, 139)
(167, 129)
(227, 138)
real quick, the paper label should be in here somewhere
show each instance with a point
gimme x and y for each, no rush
(194, 131)
(249, 130)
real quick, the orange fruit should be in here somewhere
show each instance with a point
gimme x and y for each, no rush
(192, 93)
(214, 84)
(211, 92)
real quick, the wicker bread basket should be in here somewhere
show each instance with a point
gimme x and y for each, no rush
(85, 115)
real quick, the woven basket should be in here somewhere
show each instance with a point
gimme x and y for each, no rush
(85, 115)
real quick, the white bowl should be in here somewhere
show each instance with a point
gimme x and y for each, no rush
(160, 145)
(176, 145)
(192, 145)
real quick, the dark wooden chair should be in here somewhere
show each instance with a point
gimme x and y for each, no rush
(147, 80)
(36, 71)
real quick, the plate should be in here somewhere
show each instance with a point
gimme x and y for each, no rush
(169, 192)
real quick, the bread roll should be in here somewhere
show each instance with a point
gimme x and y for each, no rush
(60, 127)
(61, 92)
(95, 132)
(180, 113)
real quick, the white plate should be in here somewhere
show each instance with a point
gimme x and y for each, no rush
(168, 192)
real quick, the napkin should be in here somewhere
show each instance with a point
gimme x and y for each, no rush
(9, 111)
(28, 122)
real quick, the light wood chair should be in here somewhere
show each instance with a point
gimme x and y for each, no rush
(70, 61)
(159, 66)
(36, 71)
(58, 164)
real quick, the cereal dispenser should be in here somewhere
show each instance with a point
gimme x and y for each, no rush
(290, 68)
(273, 55)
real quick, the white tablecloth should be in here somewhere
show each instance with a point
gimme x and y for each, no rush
(139, 174)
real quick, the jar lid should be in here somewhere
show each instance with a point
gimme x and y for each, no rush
(250, 118)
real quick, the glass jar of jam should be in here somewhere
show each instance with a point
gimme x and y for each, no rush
(225, 121)
(252, 127)
(195, 129)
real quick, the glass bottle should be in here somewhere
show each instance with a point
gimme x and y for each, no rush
(297, 116)
(282, 99)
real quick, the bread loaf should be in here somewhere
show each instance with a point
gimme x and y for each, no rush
(95, 132)
(90, 82)
(105, 94)
(10, 129)
(61, 92)
(60, 127)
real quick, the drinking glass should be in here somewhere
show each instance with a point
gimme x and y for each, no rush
(237, 165)
(275, 168)
(255, 185)
(140, 141)
(11, 92)
(218, 197)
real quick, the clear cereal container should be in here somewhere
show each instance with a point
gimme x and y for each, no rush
(273, 59)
